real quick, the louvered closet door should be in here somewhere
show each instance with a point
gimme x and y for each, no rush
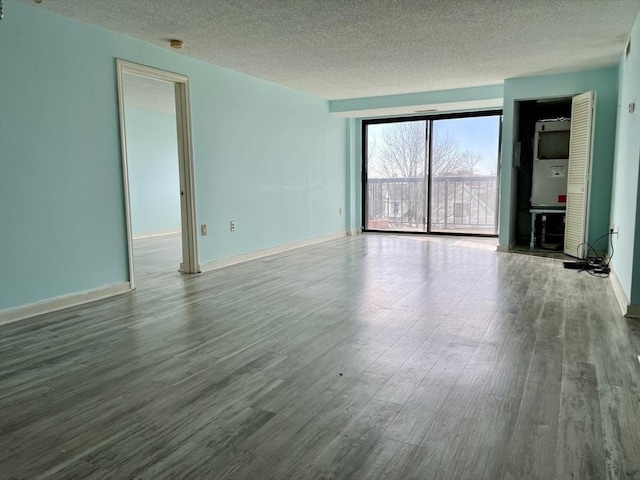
(582, 110)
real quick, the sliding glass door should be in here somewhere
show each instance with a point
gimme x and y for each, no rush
(432, 174)
(464, 167)
(396, 173)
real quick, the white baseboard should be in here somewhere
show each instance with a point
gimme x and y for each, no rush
(628, 310)
(502, 248)
(225, 262)
(355, 231)
(619, 291)
(47, 306)
(159, 233)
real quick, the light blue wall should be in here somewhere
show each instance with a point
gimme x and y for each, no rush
(625, 207)
(279, 169)
(358, 187)
(605, 83)
(268, 157)
(154, 185)
(352, 179)
(354, 183)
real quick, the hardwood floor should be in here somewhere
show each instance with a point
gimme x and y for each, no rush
(367, 357)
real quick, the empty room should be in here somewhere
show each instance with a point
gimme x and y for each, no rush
(320, 239)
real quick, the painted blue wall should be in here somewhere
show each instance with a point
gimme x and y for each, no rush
(154, 185)
(470, 94)
(605, 83)
(354, 180)
(268, 157)
(279, 169)
(625, 207)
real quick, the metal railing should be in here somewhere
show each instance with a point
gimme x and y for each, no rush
(461, 203)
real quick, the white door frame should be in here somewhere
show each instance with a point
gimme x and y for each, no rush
(189, 262)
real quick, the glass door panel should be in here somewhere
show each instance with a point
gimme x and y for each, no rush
(396, 183)
(464, 166)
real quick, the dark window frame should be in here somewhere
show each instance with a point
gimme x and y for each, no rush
(429, 119)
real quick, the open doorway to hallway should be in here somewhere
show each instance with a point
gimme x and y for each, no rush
(154, 186)
(158, 172)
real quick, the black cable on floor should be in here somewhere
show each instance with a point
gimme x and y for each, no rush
(596, 266)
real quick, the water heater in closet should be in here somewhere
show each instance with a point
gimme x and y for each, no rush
(550, 162)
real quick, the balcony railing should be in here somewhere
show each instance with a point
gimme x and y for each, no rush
(458, 204)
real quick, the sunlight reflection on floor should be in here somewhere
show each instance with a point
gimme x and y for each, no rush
(482, 243)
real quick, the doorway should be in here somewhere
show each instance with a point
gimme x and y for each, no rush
(158, 177)
(530, 113)
(552, 160)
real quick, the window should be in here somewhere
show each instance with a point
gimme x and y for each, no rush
(432, 174)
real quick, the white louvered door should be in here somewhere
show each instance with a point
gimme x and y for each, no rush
(580, 146)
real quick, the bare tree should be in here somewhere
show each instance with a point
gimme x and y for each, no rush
(449, 159)
(400, 152)
(403, 153)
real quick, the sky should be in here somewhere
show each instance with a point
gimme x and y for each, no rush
(477, 134)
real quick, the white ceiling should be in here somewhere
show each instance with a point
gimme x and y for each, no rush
(339, 49)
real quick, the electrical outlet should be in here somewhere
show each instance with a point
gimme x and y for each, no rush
(614, 230)
(232, 226)
(203, 229)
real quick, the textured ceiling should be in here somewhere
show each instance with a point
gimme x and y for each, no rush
(340, 49)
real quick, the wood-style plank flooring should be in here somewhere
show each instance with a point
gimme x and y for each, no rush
(367, 357)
